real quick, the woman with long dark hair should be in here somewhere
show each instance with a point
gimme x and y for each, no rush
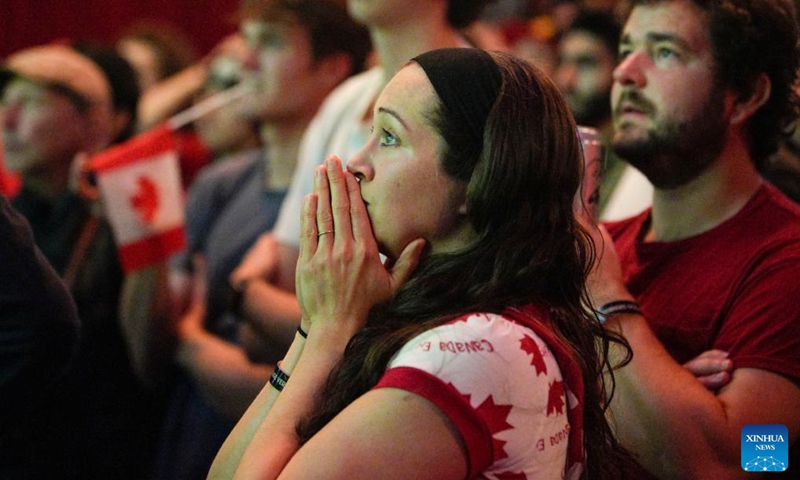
(472, 351)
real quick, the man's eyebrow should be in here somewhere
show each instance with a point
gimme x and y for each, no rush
(667, 37)
(655, 37)
(394, 114)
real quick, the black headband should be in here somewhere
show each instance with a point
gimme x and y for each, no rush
(467, 80)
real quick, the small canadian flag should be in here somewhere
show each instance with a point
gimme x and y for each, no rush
(140, 183)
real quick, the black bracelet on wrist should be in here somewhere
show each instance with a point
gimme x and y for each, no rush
(278, 378)
(616, 307)
(302, 332)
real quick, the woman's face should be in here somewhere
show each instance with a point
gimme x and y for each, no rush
(407, 194)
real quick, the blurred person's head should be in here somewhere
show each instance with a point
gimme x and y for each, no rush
(533, 40)
(124, 87)
(693, 73)
(56, 104)
(225, 130)
(156, 50)
(300, 51)
(587, 55)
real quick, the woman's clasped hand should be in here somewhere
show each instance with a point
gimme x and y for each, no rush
(340, 275)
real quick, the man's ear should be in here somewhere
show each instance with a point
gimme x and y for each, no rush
(745, 107)
(333, 69)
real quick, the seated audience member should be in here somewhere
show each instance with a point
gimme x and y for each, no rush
(159, 51)
(701, 95)
(472, 347)
(97, 421)
(399, 29)
(169, 75)
(124, 88)
(39, 331)
(299, 51)
(124, 102)
(587, 55)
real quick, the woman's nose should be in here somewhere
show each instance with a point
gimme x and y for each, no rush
(360, 165)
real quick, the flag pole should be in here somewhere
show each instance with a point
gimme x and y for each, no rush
(208, 105)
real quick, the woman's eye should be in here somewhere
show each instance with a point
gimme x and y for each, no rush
(387, 139)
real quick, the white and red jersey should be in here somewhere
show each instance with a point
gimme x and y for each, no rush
(503, 387)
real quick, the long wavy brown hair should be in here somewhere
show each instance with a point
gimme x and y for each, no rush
(520, 188)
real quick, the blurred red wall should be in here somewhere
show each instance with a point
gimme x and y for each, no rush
(25, 23)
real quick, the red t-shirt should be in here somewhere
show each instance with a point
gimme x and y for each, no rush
(735, 287)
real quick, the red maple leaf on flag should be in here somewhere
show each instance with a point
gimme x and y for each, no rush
(495, 417)
(146, 200)
(529, 346)
(555, 398)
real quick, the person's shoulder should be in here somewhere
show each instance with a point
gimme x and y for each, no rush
(771, 214)
(491, 332)
(474, 347)
(472, 332)
(226, 172)
(491, 340)
(217, 184)
(481, 321)
(231, 165)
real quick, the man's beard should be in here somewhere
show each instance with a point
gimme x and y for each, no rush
(674, 153)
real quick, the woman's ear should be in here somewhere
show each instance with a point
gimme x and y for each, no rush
(745, 107)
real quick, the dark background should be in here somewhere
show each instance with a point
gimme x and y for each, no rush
(25, 23)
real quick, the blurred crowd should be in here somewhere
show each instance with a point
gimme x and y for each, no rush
(143, 374)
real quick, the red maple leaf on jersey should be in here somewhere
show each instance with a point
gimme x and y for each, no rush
(529, 346)
(555, 398)
(495, 417)
(146, 200)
